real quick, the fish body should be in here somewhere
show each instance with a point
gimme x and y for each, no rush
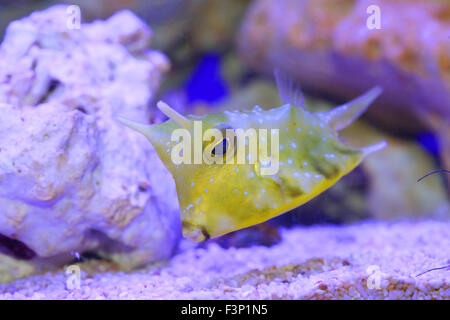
(217, 198)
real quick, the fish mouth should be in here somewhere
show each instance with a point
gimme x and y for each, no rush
(195, 232)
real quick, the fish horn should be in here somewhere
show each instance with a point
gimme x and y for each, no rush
(181, 120)
(373, 148)
(342, 116)
(140, 127)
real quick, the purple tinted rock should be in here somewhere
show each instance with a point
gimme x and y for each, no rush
(71, 176)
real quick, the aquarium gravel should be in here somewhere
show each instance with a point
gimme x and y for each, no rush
(373, 260)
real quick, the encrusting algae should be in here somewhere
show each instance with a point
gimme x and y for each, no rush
(233, 181)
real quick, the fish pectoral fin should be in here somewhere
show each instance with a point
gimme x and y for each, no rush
(290, 92)
(342, 116)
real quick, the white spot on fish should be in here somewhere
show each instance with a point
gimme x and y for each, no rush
(192, 184)
(329, 155)
(189, 206)
(299, 129)
(263, 190)
(252, 174)
(236, 170)
(198, 200)
(293, 145)
(212, 180)
(296, 174)
(206, 190)
(245, 192)
(305, 163)
(290, 161)
(310, 132)
(307, 174)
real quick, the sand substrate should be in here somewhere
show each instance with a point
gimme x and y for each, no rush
(364, 261)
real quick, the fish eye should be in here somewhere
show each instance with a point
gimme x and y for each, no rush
(225, 146)
(221, 148)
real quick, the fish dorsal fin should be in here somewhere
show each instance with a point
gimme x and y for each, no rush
(290, 92)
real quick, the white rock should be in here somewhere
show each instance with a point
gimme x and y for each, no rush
(71, 177)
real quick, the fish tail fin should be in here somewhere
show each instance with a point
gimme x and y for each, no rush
(342, 116)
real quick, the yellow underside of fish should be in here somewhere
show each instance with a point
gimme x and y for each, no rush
(198, 228)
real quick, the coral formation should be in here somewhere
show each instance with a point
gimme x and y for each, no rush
(71, 178)
(327, 46)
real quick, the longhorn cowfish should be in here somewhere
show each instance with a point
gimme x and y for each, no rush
(217, 198)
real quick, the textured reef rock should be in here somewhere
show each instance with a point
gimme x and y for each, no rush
(327, 46)
(71, 177)
(362, 261)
